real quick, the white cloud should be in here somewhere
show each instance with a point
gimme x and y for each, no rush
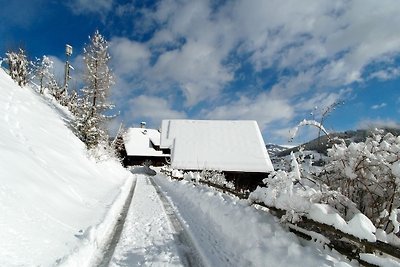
(328, 42)
(378, 123)
(379, 106)
(196, 68)
(152, 109)
(277, 116)
(128, 56)
(125, 9)
(320, 102)
(386, 74)
(342, 37)
(315, 48)
(58, 67)
(263, 108)
(91, 6)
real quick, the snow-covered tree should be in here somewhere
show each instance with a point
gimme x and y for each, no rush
(43, 72)
(18, 66)
(98, 79)
(73, 102)
(118, 143)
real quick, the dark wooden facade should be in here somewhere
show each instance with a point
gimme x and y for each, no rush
(144, 160)
(246, 180)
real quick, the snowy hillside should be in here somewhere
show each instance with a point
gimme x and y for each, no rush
(53, 198)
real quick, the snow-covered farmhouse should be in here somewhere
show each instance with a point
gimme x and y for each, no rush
(143, 145)
(234, 147)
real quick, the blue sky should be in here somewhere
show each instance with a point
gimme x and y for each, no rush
(277, 62)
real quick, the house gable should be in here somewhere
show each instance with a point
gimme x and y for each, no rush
(142, 142)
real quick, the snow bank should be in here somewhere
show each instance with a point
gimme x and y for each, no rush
(282, 194)
(229, 232)
(299, 201)
(94, 239)
(50, 191)
(379, 261)
(359, 226)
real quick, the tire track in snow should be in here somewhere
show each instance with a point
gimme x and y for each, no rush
(111, 245)
(189, 253)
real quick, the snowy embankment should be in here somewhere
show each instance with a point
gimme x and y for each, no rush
(56, 204)
(229, 232)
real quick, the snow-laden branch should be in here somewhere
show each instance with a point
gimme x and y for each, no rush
(309, 123)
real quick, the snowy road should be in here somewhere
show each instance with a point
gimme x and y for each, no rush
(172, 223)
(149, 237)
(189, 253)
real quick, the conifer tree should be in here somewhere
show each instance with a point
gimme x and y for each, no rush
(98, 79)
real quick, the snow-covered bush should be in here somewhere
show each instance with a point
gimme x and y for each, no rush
(102, 152)
(295, 193)
(357, 178)
(368, 173)
(18, 66)
(216, 177)
(43, 73)
(208, 176)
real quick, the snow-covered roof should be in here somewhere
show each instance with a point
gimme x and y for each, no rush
(138, 142)
(215, 145)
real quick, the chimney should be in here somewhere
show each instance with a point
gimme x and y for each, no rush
(143, 125)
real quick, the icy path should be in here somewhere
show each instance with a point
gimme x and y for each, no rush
(147, 238)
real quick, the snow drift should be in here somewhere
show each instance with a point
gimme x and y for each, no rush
(229, 232)
(51, 192)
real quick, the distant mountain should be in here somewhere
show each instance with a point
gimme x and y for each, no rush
(274, 150)
(322, 143)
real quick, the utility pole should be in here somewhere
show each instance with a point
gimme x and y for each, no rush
(68, 53)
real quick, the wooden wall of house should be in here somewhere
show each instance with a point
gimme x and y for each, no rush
(246, 180)
(141, 160)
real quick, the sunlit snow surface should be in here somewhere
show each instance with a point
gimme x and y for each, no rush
(50, 191)
(229, 232)
(147, 238)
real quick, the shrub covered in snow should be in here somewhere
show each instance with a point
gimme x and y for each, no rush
(43, 72)
(358, 178)
(368, 173)
(18, 66)
(208, 176)
(296, 193)
(216, 177)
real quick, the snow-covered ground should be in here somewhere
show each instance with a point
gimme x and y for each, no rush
(56, 203)
(147, 238)
(229, 232)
